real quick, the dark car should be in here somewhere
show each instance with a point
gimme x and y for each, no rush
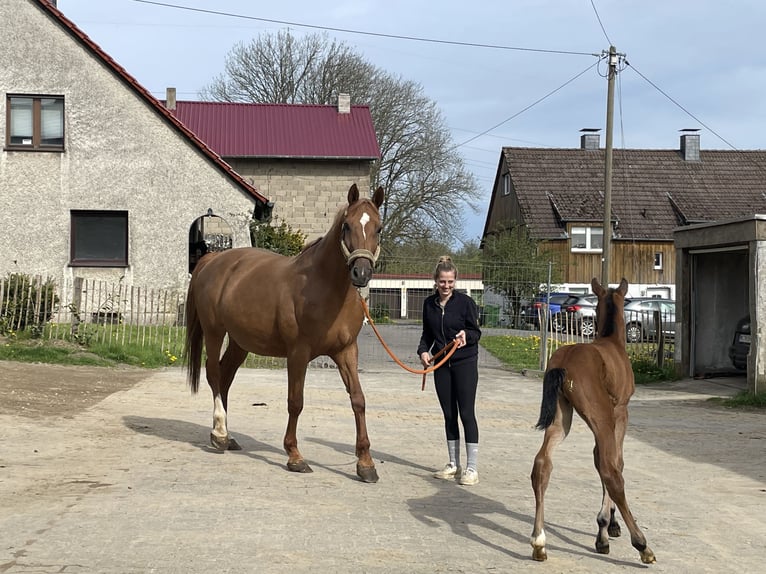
(740, 345)
(578, 315)
(554, 306)
(640, 318)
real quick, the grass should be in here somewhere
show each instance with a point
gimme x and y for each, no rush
(745, 399)
(520, 353)
(99, 345)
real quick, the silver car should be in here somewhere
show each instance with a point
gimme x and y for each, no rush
(641, 317)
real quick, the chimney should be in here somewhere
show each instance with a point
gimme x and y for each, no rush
(170, 98)
(590, 138)
(690, 144)
(344, 103)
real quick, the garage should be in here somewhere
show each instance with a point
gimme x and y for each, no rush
(720, 267)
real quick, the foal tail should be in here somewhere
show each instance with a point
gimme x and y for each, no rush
(193, 346)
(554, 379)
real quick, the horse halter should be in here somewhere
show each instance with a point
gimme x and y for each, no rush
(351, 256)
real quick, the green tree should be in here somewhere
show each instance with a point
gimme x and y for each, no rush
(428, 188)
(515, 265)
(280, 239)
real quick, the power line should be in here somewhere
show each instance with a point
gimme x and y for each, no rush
(363, 32)
(533, 104)
(687, 112)
(600, 23)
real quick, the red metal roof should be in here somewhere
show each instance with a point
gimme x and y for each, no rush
(142, 92)
(281, 130)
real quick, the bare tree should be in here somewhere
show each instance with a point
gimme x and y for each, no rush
(428, 189)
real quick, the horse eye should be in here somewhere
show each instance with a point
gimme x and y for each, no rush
(345, 227)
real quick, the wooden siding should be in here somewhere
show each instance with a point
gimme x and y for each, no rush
(632, 260)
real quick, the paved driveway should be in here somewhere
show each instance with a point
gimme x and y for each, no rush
(129, 484)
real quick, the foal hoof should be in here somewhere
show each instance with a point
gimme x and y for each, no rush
(367, 473)
(219, 442)
(614, 530)
(539, 554)
(299, 466)
(233, 445)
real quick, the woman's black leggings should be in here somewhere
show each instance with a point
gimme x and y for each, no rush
(456, 389)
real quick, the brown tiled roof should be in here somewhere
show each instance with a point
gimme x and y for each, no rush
(653, 191)
(282, 130)
(144, 94)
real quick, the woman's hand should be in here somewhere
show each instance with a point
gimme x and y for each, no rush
(425, 358)
(460, 338)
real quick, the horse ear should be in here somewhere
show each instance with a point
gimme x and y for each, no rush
(377, 197)
(353, 194)
(596, 286)
(623, 288)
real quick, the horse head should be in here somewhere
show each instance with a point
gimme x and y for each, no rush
(360, 235)
(609, 310)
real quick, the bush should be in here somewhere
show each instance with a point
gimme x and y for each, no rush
(281, 239)
(27, 303)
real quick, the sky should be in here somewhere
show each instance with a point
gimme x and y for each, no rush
(503, 73)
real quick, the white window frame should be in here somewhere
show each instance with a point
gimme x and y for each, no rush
(658, 260)
(588, 231)
(506, 183)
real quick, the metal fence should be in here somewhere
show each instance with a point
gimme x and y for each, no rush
(90, 311)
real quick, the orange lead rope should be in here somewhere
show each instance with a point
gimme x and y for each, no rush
(449, 350)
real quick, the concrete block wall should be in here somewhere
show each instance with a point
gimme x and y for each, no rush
(306, 193)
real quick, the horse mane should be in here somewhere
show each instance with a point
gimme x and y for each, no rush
(608, 328)
(335, 225)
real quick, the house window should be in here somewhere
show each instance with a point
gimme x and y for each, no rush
(587, 239)
(99, 239)
(506, 184)
(658, 260)
(35, 122)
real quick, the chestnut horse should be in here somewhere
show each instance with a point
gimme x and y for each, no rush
(596, 380)
(295, 307)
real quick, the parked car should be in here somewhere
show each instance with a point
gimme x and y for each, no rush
(740, 345)
(579, 315)
(640, 318)
(554, 306)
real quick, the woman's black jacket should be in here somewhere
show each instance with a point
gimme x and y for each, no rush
(440, 325)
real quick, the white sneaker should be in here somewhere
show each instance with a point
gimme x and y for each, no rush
(469, 477)
(449, 471)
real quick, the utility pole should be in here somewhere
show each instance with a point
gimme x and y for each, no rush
(607, 237)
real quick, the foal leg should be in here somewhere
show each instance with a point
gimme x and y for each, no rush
(348, 361)
(606, 519)
(541, 472)
(230, 362)
(296, 377)
(609, 467)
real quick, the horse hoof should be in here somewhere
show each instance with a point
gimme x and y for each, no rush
(299, 466)
(602, 548)
(647, 557)
(219, 442)
(233, 445)
(614, 530)
(367, 473)
(539, 554)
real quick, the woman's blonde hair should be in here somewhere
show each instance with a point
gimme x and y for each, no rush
(445, 264)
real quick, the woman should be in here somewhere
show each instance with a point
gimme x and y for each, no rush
(447, 315)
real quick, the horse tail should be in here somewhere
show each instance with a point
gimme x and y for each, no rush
(552, 382)
(193, 346)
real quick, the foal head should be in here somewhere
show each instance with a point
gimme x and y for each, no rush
(360, 235)
(609, 310)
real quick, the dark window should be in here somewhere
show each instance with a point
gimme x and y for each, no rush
(99, 239)
(35, 122)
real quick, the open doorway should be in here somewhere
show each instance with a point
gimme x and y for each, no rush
(207, 234)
